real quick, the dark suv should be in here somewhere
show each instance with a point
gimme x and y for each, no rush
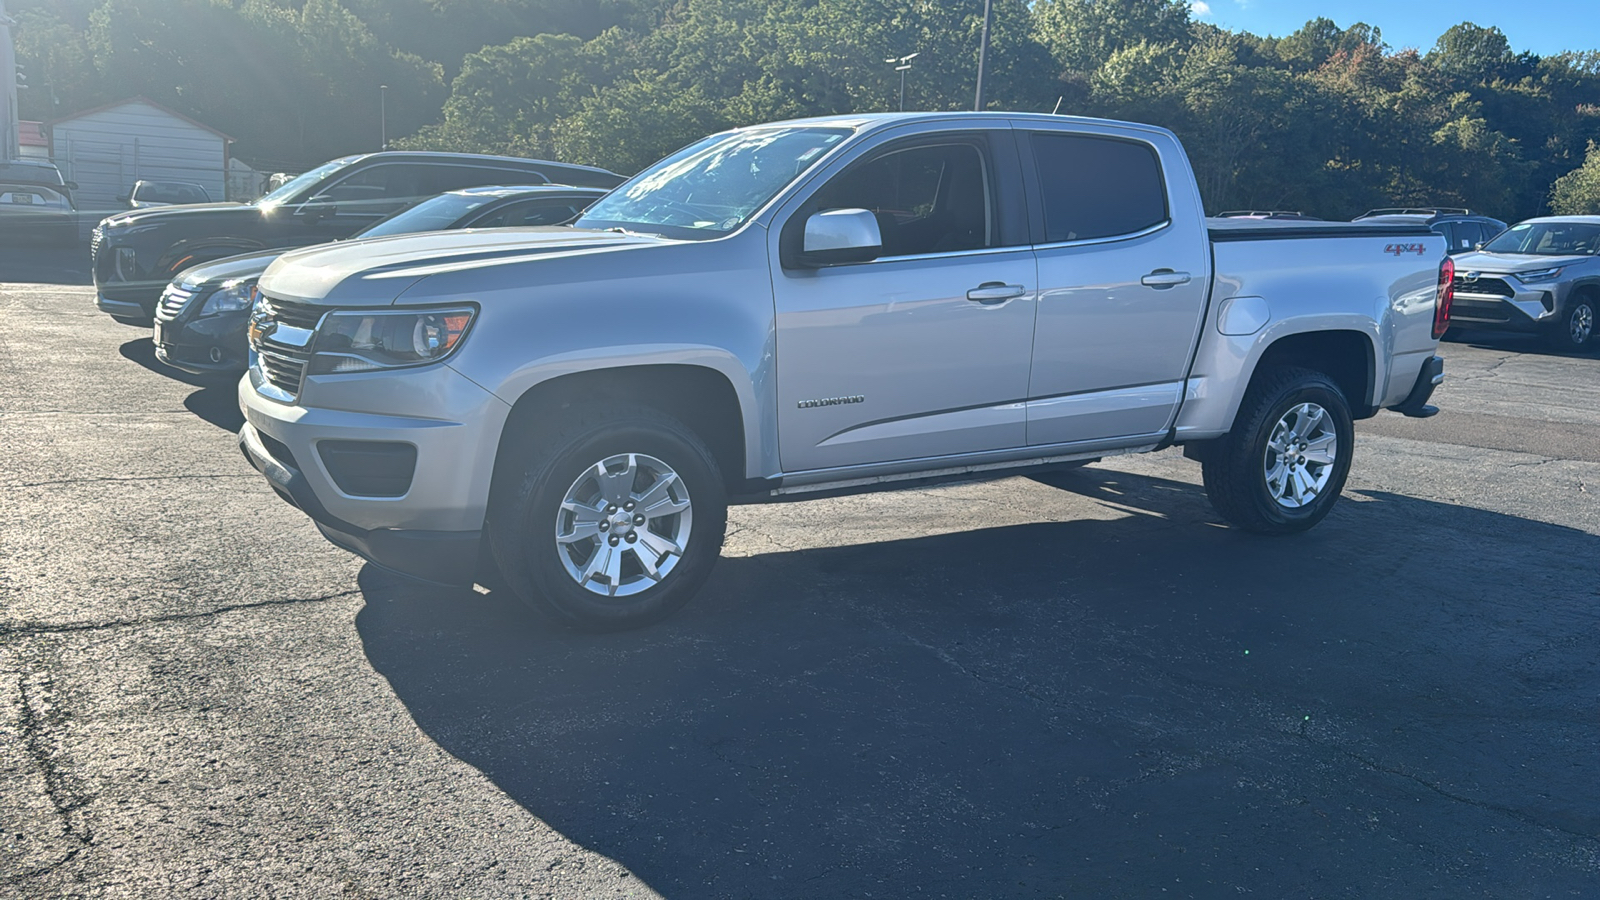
(136, 254)
(36, 202)
(1463, 229)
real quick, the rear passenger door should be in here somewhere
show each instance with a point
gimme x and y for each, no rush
(1124, 269)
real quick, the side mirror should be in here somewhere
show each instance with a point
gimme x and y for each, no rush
(71, 185)
(838, 236)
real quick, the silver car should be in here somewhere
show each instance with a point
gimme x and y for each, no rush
(1541, 275)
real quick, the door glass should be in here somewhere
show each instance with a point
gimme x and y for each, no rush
(926, 199)
(1097, 187)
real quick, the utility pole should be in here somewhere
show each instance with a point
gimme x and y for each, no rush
(903, 67)
(983, 52)
(9, 148)
(383, 114)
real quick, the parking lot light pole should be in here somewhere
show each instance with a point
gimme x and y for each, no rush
(383, 117)
(902, 68)
(983, 52)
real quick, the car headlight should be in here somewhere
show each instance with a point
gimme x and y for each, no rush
(1539, 275)
(232, 296)
(390, 339)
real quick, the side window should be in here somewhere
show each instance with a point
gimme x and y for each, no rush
(928, 199)
(374, 191)
(1097, 187)
(438, 179)
(530, 213)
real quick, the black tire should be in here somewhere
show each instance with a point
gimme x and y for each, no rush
(523, 516)
(1575, 330)
(1235, 468)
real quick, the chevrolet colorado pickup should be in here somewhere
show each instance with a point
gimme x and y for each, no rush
(819, 307)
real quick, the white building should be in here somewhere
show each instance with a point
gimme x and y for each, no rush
(105, 150)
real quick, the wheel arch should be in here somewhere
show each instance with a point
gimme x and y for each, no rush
(701, 396)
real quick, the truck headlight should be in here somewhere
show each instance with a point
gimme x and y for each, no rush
(388, 339)
(1539, 275)
(233, 296)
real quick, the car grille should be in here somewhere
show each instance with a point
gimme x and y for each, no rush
(173, 300)
(284, 365)
(1485, 286)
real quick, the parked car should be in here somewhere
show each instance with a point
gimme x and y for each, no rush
(145, 194)
(136, 254)
(822, 306)
(36, 202)
(1541, 276)
(1463, 229)
(200, 322)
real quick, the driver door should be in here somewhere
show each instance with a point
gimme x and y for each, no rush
(924, 351)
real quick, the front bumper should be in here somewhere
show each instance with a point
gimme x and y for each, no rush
(206, 344)
(1503, 302)
(442, 557)
(432, 527)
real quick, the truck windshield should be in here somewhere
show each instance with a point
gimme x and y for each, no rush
(1548, 239)
(710, 188)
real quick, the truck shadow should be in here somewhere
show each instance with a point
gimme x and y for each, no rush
(1112, 708)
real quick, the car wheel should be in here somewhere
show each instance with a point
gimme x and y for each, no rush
(610, 523)
(1281, 468)
(1574, 332)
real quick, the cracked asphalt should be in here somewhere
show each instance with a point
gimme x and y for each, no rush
(1014, 689)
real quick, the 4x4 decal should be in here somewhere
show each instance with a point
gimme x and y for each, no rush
(1402, 249)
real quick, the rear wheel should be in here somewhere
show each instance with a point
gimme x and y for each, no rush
(614, 522)
(1282, 467)
(1574, 332)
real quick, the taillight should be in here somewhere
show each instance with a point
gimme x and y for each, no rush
(1446, 296)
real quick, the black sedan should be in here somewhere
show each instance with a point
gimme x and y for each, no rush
(201, 319)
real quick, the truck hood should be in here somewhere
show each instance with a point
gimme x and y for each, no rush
(375, 272)
(1512, 263)
(163, 214)
(248, 265)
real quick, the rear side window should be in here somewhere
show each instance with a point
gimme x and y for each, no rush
(1096, 187)
(437, 179)
(531, 212)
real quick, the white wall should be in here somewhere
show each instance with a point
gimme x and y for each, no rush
(106, 151)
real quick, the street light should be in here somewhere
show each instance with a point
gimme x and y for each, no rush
(383, 117)
(904, 64)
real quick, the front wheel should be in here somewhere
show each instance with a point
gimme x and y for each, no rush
(1575, 331)
(1281, 468)
(614, 523)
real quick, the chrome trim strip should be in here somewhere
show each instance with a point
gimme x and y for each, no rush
(1090, 242)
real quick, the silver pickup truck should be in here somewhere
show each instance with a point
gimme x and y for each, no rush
(821, 306)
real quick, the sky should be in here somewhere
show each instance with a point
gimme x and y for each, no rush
(1544, 27)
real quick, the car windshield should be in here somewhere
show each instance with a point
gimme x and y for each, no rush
(434, 214)
(710, 188)
(294, 185)
(1548, 239)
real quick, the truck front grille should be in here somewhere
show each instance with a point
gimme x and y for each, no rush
(282, 364)
(173, 300)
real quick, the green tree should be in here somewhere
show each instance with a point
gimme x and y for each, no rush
(1577, 193)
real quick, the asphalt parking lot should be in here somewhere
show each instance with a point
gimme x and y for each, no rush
(996, 690)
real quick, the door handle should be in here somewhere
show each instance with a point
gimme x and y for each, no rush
(1165, 278)
(991, 292)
